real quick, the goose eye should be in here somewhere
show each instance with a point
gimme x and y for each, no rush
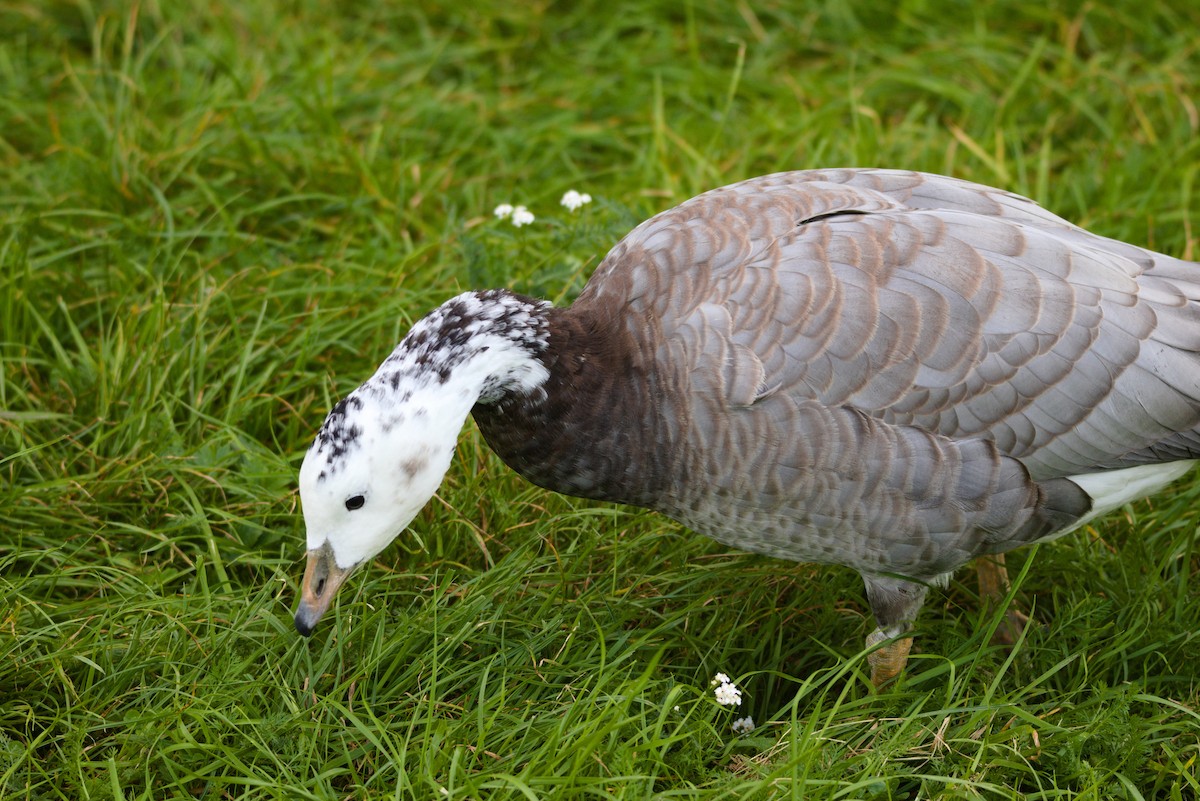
(355, 502)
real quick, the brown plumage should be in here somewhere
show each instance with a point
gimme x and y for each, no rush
(892, 371)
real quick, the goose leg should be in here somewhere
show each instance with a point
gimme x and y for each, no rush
(993, 587)
(888, 661)
(993, 577)
(895, 603)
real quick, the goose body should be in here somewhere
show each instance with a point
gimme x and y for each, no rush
(892, 371)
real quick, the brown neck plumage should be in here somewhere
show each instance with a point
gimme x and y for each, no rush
(594, 429)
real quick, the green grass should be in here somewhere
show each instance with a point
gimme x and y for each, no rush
(216, 218)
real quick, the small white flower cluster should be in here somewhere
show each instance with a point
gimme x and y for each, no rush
(573, 200)
(743, 725)
(519, 215)
(726, 692)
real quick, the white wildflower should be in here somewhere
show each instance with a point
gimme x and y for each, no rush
(503, 210)
(521, 216)
(573, 200)
(728, 695)
(743, 725)
(720, 678)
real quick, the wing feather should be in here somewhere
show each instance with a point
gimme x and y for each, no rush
(958, 309)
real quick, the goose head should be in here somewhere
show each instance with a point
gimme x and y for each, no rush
(373, 466)
(384, 449)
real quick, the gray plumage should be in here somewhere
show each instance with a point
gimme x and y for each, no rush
(892, 371)
(882, 369)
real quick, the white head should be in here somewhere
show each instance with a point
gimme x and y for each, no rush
(371, 470)
(383, 450)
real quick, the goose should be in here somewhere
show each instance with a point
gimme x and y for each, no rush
(893, 371)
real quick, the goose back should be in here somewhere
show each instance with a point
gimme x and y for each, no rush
(889, 370)
(921, 300)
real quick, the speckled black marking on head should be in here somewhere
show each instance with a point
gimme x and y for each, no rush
(452, 334)
(439, 348)
(338, 437)
(448, 337)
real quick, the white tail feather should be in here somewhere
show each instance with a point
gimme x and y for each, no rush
(1112, 489)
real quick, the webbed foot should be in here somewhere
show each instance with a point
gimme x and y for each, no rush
(888, 661)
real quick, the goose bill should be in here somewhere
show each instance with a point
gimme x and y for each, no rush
(322, 577)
